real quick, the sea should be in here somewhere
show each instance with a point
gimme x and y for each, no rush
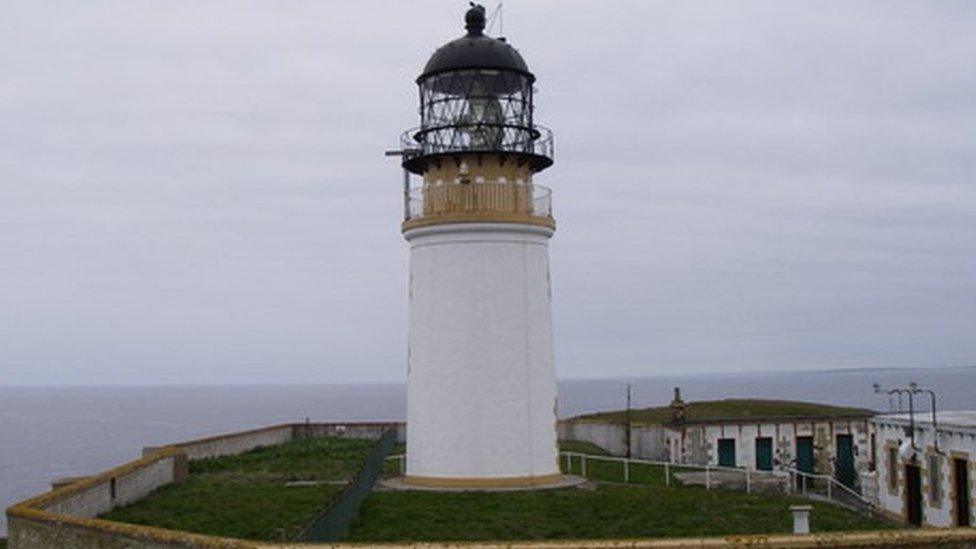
(52, 432)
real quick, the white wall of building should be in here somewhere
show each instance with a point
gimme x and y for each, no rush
(481, 376)
(698, 442)
(956, 439)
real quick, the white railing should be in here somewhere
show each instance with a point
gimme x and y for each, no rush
(798, 482)
(668, 468)
(806, 484)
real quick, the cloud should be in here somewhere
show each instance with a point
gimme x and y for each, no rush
(197, 193)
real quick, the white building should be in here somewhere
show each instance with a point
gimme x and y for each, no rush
(481, 377)
(926, 477)
(759, 436)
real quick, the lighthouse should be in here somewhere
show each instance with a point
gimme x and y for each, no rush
(481, 400)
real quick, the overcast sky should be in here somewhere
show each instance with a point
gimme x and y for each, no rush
(195, 192)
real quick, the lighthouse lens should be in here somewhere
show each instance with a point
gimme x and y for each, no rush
(478, 110)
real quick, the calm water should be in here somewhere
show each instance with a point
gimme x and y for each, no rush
(53, 432)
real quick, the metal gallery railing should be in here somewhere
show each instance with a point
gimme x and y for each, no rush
(480, 138)
(487, 198)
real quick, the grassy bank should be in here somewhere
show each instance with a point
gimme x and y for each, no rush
(612, 511)
(733, 409)
(253, 495)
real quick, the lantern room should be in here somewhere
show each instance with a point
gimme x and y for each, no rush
(477, 145)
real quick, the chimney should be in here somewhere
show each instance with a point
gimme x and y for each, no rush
(677, 407)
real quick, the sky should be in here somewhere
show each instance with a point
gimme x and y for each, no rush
(196, 192)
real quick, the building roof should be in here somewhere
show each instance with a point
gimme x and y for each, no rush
(475, 50)
(963, 420)
(737, 411)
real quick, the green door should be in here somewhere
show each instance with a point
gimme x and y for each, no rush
(913, 494)
(844, 464)
(764, 454)
(804, 454)
(804, 460)
(726, 452)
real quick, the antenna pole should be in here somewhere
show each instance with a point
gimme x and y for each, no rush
(628, 422)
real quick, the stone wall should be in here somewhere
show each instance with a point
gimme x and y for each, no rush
(66, 516)
(371, 431)
(646, 440)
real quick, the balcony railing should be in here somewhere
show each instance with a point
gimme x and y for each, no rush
(512, 202)
(534, 143)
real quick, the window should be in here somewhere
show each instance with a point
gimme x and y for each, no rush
(893, 468)
(935, 479)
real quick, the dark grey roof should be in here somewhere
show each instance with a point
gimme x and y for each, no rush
(475, 51)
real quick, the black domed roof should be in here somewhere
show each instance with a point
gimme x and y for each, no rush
(475, 51)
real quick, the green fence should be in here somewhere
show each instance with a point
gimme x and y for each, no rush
(332, 524)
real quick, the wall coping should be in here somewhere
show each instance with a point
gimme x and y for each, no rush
(278, 426)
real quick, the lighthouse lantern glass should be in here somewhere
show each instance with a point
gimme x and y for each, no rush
(476, 110)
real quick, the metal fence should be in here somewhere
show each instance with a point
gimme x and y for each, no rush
(788, 481)
(332, 524)
(643, 471)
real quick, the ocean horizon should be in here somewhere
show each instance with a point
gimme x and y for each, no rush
(49, 432)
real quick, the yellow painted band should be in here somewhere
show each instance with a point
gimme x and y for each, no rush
(495, 482)
(485, 217)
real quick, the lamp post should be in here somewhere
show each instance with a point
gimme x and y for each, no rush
(910, 391)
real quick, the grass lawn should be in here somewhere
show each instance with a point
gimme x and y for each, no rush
(733, 409)
(613, 511)
(581, 448)
(646, 508)
(246, 496)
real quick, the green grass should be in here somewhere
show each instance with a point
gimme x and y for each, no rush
(613, 471)
(731, 409)
(3, 543)
(581, 447)
(644, 508)
(246, 496)
(391, 467)
(609, 511)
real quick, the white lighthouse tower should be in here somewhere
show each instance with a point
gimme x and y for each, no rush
(482, 390)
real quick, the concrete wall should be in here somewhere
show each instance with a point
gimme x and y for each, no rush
(647, 441)
(235, 443)
(953, 443)
(117, 490)
(124, 536)
(370, 431)
(65, 517)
